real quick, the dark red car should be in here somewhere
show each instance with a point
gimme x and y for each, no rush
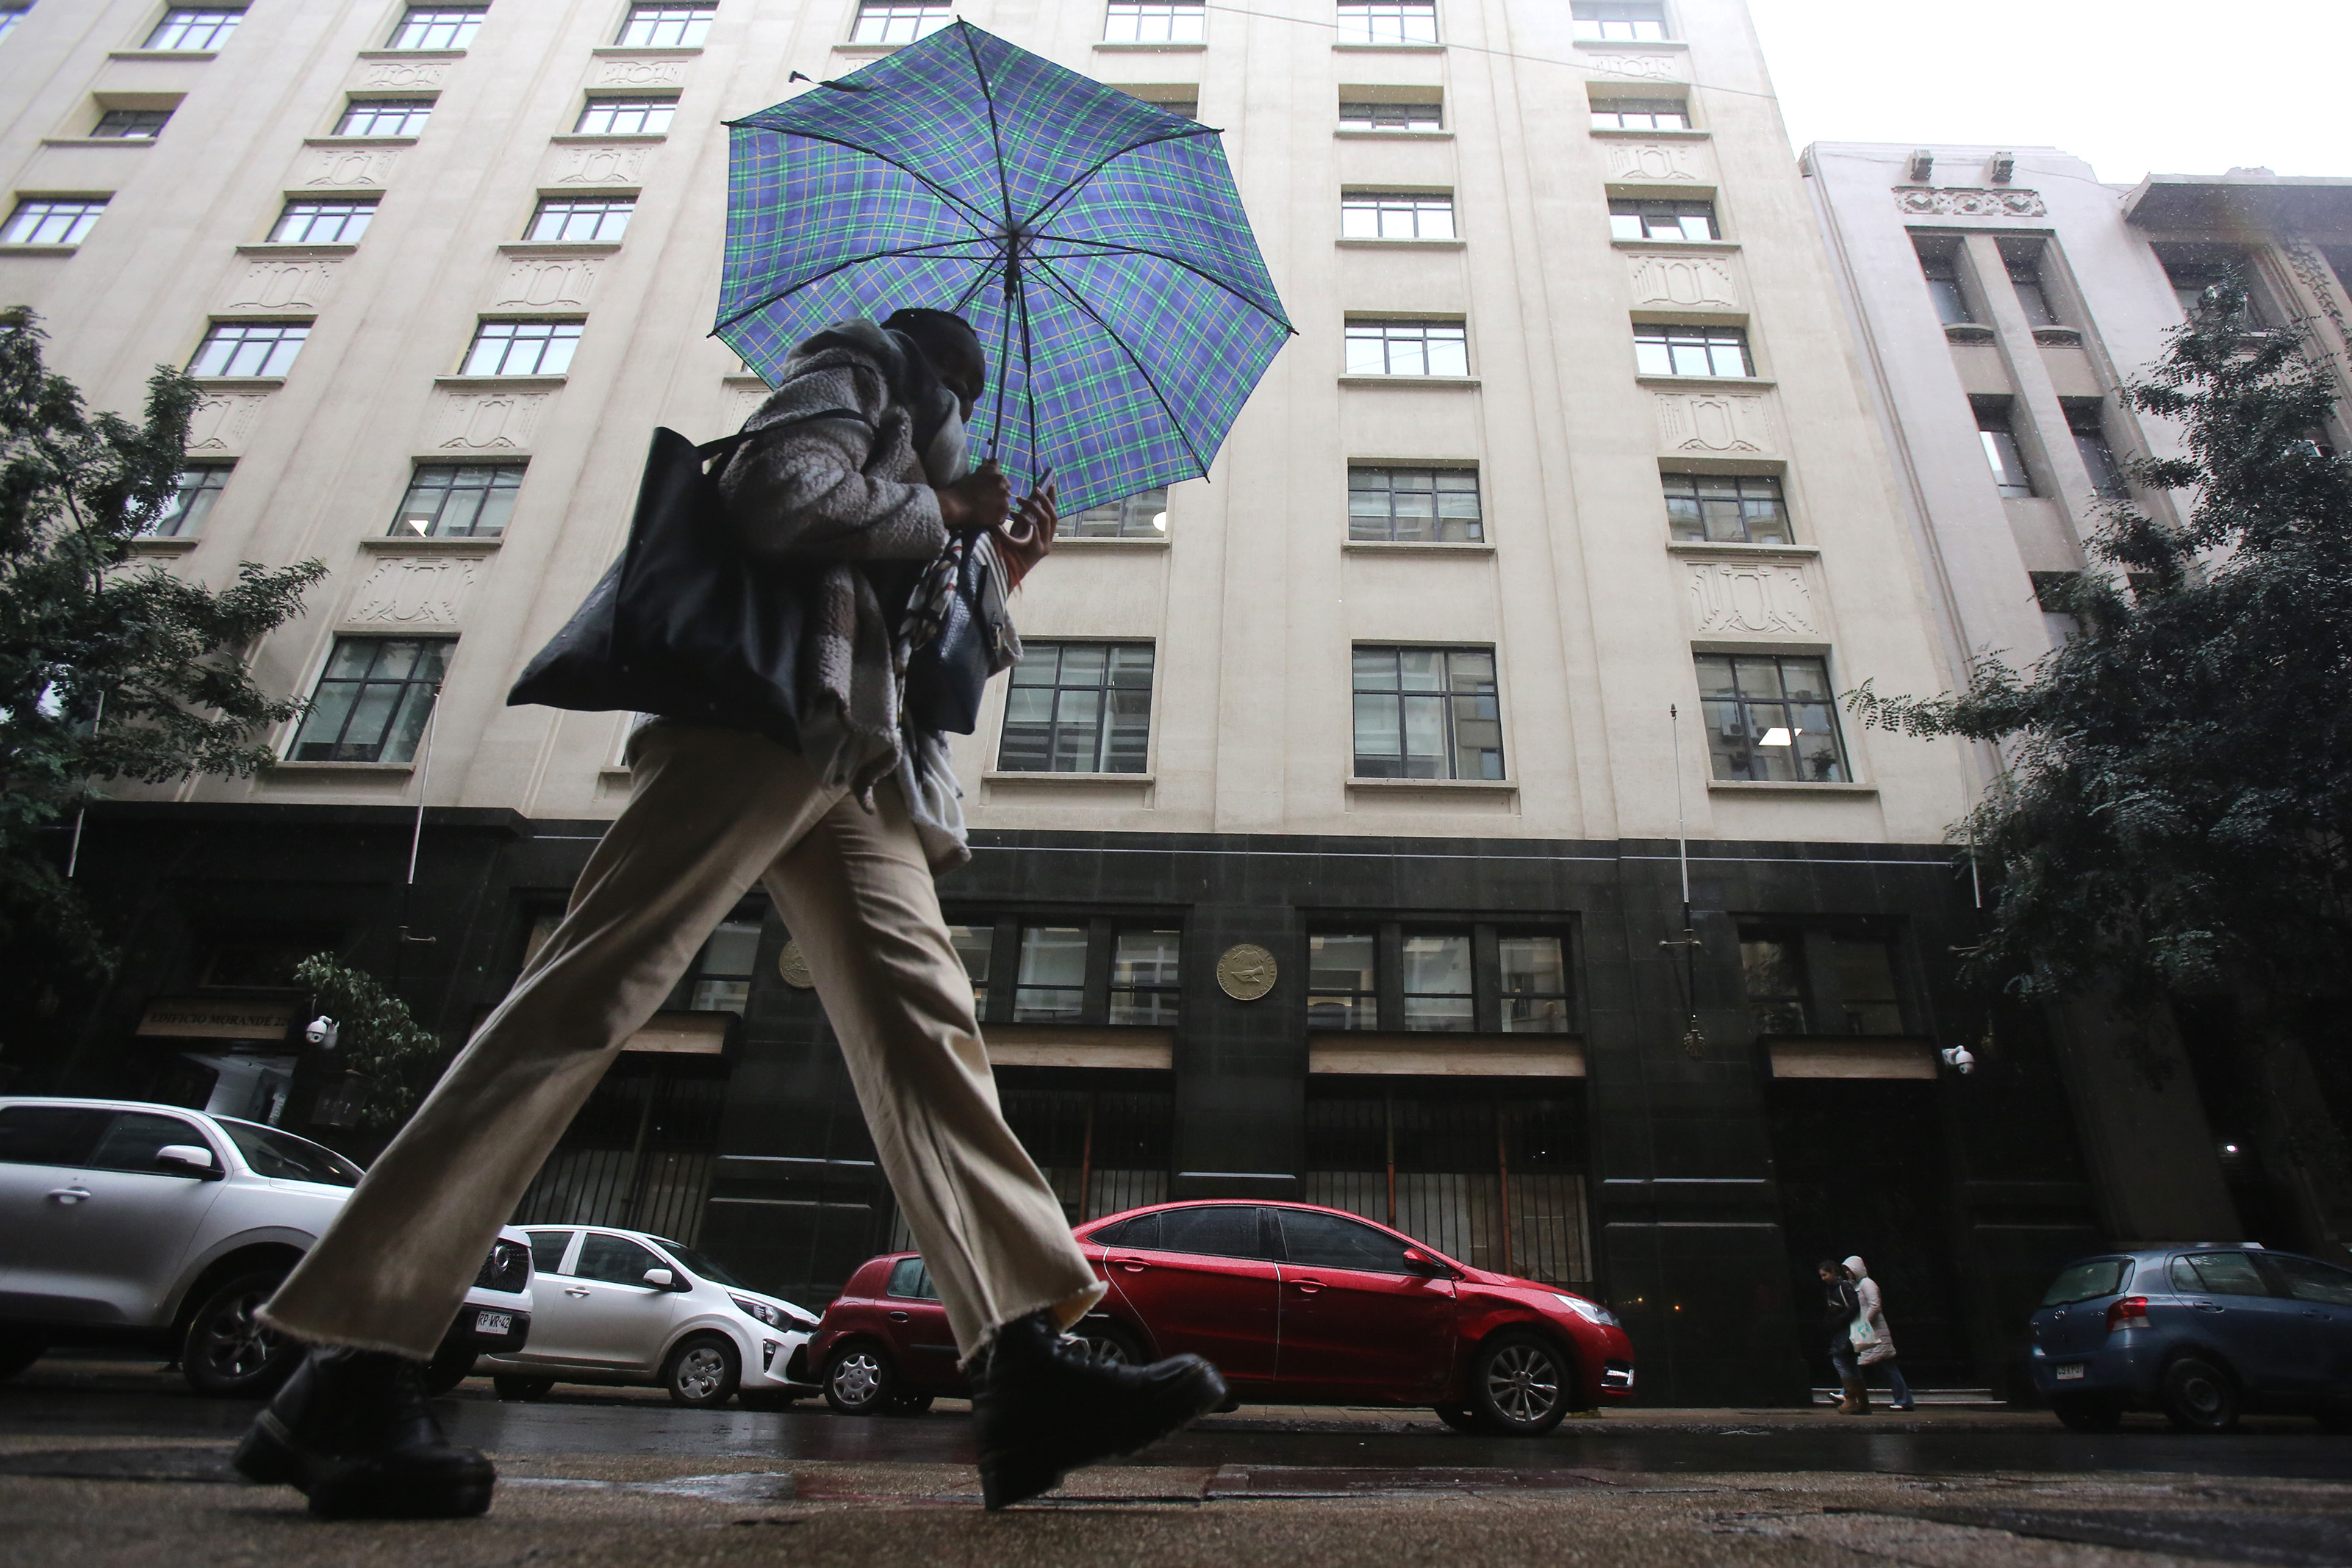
(1293, 1304)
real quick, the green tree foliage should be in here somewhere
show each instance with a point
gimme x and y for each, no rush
(109, 670)
(379, 1039)
(2179, 774)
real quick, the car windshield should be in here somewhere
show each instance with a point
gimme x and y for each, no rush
(2082, 1281)
(696, 1263)
(271, 1153)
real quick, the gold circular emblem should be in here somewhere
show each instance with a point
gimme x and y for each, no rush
(1246, 972)
(794, 968)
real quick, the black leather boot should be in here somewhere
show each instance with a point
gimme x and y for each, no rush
(352, 1432)
(1044, 1408)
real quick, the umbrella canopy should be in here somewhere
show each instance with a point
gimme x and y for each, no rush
(1096, 242)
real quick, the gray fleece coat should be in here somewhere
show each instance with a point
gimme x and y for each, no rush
(848, 498)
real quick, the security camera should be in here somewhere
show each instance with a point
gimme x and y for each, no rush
(321, 1031)
(1960, 1059)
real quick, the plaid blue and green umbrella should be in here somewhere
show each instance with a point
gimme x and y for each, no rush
(1095, 242)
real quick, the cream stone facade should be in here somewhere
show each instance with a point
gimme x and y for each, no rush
(1681, 1157)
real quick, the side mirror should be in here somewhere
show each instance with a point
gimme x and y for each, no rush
(661, 1279)
(1421, 1263)
(187, 1159)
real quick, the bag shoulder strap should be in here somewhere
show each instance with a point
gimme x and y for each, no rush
(726, 446)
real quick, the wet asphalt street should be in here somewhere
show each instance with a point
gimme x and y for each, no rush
(104, 1463)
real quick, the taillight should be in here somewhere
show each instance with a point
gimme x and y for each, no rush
(2130, 1312)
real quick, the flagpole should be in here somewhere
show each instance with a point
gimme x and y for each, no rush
(1694, 1041)
(82, 815)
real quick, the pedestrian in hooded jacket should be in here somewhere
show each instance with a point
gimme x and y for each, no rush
(1880, 1352)
(1840, 1306)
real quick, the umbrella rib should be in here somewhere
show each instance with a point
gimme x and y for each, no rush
(977, 218)
(1064, 288)
(996, 135)
(1045, 208)
(766, 300)
(1105, 247)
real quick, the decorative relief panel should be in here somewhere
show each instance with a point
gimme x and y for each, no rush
(281, 286)
(404, 74)
(486, 421)
(741, 402)
(537, 282)
(1648, 67)
(1950, 202)
(1752, 599)
(416, 591)
(639, 73)
(1684, 280)
(221, 422)
(349, 167)
(1715, 421)
(1654, 160)
(602, 166)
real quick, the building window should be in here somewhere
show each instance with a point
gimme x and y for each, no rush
(896, 21)
(1534, 984)
(2090, 432)
(1437, 990)
(1182, 107)
(1139, 517)
(2032, 295)
(1408, 349)
(625, 117)
(1427, 713)
(1806, 980)
(1952, 301)
(1078, 708)
(1414, 505)
(1677, 218)
(1771, 718)
(1153, 22)
(249, 348)
(323, 223)
(1388, 21)
(1612, 20)
(132, 124)
(1691, 352)
(667, 27)
(522, 348)
(1342, 982)
(373, 700)
(183, 514)
(1391, 117)
(1052, 985)
(1395, 214)
(1727, 508)
(2051, 590)
(2201, 286)
(975, 945)
(577, 222)
(1145, 967)
(459, 500)
(1640, 114)
(2002, 454)
(200, 30)
(720, 981)
(384, 117)
(436, 28)
(9, 17)
(51, 222)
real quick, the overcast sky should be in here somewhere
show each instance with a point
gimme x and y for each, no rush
(2176, 87)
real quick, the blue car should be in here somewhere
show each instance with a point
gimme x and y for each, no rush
(2202, 1332)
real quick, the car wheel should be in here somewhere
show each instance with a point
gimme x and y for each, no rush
(2087, 1411)
(859, 1380)
(905, 1404)
(451, 1365)
(18, 1352)
(1519, 1385)
(1461, 1418)
(702, 1370)
(1109, 1344)
(228, 1353)
(2198, 1396)
(512, 1387)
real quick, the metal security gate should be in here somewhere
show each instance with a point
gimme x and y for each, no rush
(1101, 1149)
(1493, 1178)
(638, 1154)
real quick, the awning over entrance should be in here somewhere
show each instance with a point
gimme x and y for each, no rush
(1836, 1058)
(1059, 1045)
(1433, 1055)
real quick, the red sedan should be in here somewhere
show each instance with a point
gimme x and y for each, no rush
(1293, 1304)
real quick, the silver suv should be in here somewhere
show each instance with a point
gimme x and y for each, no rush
(131, 1222)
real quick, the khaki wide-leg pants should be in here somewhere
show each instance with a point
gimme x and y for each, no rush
(712, 811)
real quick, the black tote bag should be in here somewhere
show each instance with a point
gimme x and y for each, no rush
(682, 625)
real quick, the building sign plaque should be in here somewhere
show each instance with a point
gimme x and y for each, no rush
(1245, 972)
(216, 1017)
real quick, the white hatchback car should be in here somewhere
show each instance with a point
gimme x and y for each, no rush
(622, 1307)
(124, 1221)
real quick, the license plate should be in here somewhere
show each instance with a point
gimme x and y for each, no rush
(503, 1323)
(2070, 1370)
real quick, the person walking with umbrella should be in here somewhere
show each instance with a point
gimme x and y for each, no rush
(1879, 1351)
(854, 476)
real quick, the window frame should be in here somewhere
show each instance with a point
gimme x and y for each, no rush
(1105, 732)
(1418, 208)
(1437, 521)
(199, 498)
(2110, 479)
(1128, 510)
(1408, 109)
(392, 718)
(626, 206)
(1451, 700)
(693, 22)
(2000, 444)
(1389, 331)
(363, 208)
(1183, 21)
(213, 334)
(1675, 338)
(162, 118)
(1485, 933)
(1404, 16)
(1818, 992)
(1650, 109)
(1699, 501)
(416, 113)
(463, 20)
(86, 211)
(513, 472)
(612, 105)
(485, 330)
(1683, 208)
(219, 32)
(1751, 728)
(1595, 29)
(1002, 928)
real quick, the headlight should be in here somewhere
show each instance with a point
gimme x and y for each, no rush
(1590, 1312)
(772, 1316)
